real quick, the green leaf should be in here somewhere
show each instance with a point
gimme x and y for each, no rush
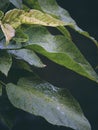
(27, 55)
(56, 105)
(16, 3)
(51, 7)
(5, 62)
(0, 89)
(60, 50)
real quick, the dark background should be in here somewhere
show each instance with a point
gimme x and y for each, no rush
(85, 13)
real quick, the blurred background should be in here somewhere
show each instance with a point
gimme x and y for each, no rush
(85, 13)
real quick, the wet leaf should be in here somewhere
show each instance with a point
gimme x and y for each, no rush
(27, 55)
(5, 62)
(51, 7)
(41, 98)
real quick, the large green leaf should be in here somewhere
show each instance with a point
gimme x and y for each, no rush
(60, 50)
(27, 55)
(56, 105)
(5, 62)
(51, 7)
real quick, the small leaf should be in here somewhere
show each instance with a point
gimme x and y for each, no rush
(0, 89)
(56, 105)
(16, 3)
(60, 50)
(8, 31)
(27, 55)
(5, 62)
(51, 7)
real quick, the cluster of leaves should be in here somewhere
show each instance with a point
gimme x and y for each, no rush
(24, 33)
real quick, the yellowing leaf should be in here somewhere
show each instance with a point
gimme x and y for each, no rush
(38, 17)
(17, 17)
(8, 31)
